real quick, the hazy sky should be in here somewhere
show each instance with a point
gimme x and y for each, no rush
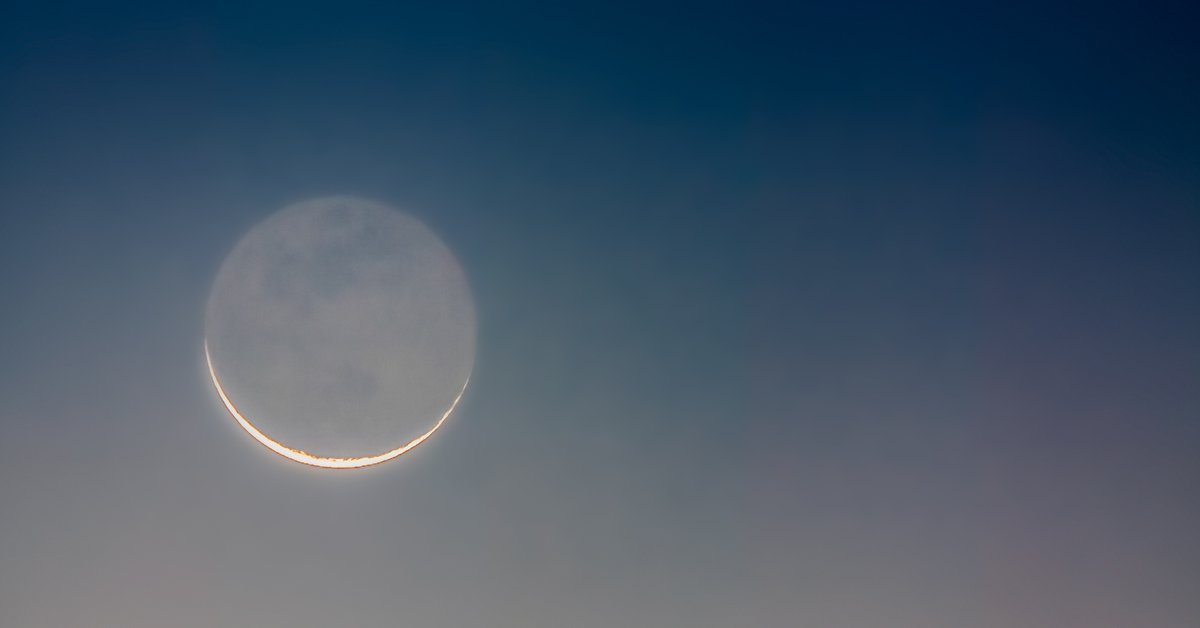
(788, 317)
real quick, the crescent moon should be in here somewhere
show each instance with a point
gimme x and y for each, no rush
(304, 457)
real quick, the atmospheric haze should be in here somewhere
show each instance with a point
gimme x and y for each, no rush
(779, 315)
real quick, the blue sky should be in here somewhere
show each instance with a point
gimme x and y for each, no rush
(788, 316)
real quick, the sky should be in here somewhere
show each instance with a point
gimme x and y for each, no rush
(788, 315)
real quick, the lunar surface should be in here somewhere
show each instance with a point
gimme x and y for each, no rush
(340, 332)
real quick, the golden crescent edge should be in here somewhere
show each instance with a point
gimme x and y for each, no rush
(304, 457)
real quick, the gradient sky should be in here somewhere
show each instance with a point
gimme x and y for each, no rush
(818, 317)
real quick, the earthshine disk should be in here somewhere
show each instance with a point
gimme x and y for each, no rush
(340, 333)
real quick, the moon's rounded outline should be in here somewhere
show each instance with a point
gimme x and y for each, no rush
(304, 457)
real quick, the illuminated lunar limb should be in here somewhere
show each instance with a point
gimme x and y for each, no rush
(318, 461)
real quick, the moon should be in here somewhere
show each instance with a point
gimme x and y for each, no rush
(340, 333)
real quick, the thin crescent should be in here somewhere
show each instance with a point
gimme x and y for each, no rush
(320, 461)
